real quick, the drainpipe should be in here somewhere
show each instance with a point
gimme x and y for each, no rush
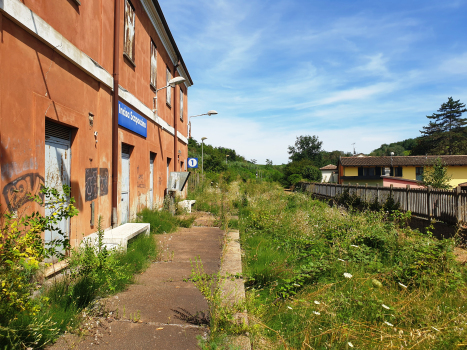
(175, 126)
(115, 115)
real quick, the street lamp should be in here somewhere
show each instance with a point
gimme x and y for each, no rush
(226, 159)
(202, 155)
(211, 112)
(172, 83)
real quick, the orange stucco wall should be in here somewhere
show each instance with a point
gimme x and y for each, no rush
(36, 83)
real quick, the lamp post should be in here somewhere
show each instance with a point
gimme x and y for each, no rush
(172, 83)
(211, 112)
(202, 155)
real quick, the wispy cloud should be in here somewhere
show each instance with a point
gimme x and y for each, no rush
(364, 71)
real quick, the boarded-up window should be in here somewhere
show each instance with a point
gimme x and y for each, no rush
(129, 35)
(153, 64)
(181, 104)
(169, 89)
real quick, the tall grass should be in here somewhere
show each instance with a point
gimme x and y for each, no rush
(162, 221)
(328, 278)
(61, 303)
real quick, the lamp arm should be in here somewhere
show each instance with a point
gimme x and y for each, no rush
(155, 98)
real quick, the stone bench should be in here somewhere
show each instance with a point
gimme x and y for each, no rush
(187, 204)
(119, 236)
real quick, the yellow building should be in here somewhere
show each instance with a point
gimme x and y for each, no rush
(403, 170)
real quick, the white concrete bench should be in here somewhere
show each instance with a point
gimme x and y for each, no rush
(119, 236)
(187, 204)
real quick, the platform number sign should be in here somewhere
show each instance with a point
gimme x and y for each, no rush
(192, 162)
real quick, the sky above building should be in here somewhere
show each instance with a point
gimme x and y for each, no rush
(362, 71)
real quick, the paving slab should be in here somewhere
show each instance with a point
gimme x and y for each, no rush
(162, 288)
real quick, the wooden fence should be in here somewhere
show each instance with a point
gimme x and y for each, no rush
(194, 181)
(444, 205)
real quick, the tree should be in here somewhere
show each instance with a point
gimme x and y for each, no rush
(446, 132)
(214, 163)
(436, 175)
(306, 147)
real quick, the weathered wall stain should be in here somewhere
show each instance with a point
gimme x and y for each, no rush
(90, 192)
(18, 192)
(103, 181)
(9, 170)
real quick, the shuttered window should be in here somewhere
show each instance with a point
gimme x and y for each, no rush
(129, 34)
(57, 130)
(153, 64)
(169, 89)
(126, 149)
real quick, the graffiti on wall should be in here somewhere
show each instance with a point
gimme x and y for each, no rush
(18, 192)
(96, 185)
(103, 182)
(140, 182)
(90, 189)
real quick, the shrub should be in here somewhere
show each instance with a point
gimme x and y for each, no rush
(294, 178)
(312, 173)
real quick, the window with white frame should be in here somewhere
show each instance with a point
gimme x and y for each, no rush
(153, 65)
(129, 31)
(181, 105)
(169, 89)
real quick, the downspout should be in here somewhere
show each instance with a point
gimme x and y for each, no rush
(175, 125)
(115, 115)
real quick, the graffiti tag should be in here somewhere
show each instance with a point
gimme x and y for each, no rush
(19, 191)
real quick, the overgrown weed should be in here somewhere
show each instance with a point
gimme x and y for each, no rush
(337, 278)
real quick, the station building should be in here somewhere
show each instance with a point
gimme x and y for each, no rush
(78, 82)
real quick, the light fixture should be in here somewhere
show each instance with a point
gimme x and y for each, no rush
(211, 112)
(176, 81)
(172, 83)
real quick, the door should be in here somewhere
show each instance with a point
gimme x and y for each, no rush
(168, 172)
(57, 173)
(151, 180)
(125, 189)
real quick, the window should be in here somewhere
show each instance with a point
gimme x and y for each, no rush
(129, 34)
(419, 173)
(169, 89)
(366, 171)
(398, 171)
(153, 65)
(181, 105)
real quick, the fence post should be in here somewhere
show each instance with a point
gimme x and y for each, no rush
(377, 193)
(407, 198)
(428, 201)
(366, 192)
(390, 190)
(459, 204)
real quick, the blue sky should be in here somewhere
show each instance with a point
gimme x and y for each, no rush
(347, 71)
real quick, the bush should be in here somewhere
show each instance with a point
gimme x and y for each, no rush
(312, 173)
(294, 178)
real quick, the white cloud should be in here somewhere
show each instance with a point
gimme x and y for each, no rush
(455, 65)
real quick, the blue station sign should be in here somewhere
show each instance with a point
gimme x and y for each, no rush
(192, 162)
(131, 120)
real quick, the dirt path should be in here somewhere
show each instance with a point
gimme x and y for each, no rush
(143, 316)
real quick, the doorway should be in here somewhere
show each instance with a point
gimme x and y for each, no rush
(125, 185)
(57, 174)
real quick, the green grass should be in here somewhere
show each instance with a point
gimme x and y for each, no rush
(405, 290)
(61, 303)
(297, 252)
(162, 221)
